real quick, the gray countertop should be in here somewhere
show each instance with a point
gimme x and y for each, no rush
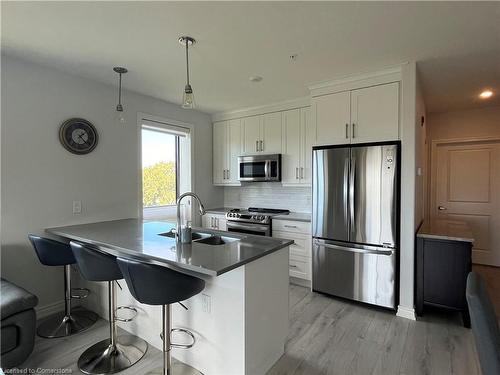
(294, 216)
(219, 210)
(137, 239)
(446, 230)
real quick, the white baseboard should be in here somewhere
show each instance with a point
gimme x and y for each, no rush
(406, 312)
(300, 282)
(44, 311)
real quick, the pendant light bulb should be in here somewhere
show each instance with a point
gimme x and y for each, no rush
(119, 114)
(188, 98)
(188, 95)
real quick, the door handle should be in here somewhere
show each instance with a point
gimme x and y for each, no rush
(228, 174)
(296, 173)
(256, 145)
(261, 145)
(441, 208)
(346, 130)
(290, 226)
(355, 250)
(223, 174)
(301, 173)
(353, 126)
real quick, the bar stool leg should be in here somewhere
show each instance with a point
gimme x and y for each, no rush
(68, 322)
(115, 353)
(171, 367)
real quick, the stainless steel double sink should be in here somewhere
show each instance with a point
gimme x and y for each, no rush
(205, 238)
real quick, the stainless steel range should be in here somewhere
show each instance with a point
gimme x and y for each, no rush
(253, 221)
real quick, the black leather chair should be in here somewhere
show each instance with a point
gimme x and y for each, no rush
(118, 352)
(484, 325)
(69, 322)
(156, 285)
(18, 324)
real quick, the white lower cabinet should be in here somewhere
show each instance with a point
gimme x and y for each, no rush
(214, 221)
(300, 251)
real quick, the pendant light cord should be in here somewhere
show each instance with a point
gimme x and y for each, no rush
(187, 61)
(120, 90)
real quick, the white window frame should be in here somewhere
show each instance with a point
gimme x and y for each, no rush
(171, 126)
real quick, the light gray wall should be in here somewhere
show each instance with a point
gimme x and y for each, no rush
(268, 195)
(40, 179)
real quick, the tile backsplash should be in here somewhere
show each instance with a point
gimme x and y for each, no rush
(268, 195)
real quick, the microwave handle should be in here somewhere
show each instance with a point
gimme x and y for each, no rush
(267, 169)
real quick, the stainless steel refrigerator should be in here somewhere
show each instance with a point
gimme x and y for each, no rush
(355, 222)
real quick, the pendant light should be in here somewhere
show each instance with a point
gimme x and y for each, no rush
(188, 96)
(120, 118)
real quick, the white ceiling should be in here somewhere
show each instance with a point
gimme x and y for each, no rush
(457, 45)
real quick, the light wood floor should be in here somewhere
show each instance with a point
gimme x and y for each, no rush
(327, 336)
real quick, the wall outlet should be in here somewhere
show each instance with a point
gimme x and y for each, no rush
(77, 207)
(206, 303)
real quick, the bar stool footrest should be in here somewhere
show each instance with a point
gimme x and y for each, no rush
(182, 346)
(81, 293)
(129, 308)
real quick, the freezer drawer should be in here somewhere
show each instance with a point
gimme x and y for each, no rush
(365, 274)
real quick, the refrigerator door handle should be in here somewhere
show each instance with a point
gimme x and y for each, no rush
(352, 174)
(354, 250)
(346, 191)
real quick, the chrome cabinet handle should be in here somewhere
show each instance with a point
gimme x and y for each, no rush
(301, 173)
(290, 226)
(256, 145)
(353, 126)
(223, 174)
(228, 174)
(261, 145)
(217, 223)
(441, 208)
(296, 173)
(346, 130)
(293, 266)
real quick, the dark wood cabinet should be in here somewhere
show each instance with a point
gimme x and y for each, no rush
(442, 266)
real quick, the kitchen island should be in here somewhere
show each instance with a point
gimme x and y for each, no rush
(240, 320)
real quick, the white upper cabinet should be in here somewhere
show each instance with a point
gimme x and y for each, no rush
(251, 134)
(290, 163)
(226, 149)
(262, 133)
(333, 117)
(271, 133)
(298, 137)
(363, 115)
(375, 113)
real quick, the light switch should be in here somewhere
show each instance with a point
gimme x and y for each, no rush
(77, 207)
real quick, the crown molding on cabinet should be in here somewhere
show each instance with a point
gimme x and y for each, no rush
(357, 81)
(260, 110)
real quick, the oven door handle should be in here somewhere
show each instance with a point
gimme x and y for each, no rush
(253, 227)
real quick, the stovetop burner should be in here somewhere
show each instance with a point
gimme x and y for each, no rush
(255, 214)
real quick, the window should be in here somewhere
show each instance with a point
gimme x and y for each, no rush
(160, 172)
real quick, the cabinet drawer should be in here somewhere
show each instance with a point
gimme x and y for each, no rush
(299, 267)
(301, 246)
(292, 226)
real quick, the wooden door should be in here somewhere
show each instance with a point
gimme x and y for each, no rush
(271, 133)
(375, 114)
(466, 186)
(251, 134)
(219, 151)
(332, 115)
(308, 137)
(291, 147)
(234, 150)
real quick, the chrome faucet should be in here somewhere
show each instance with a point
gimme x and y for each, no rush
(202, 211)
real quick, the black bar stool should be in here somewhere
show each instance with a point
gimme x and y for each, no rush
(157, 285)
(118, 352)
(69, 322)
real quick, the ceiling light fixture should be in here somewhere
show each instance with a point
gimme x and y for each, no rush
(255, 78)
(120, 118)
(486, 94)
(188, 96)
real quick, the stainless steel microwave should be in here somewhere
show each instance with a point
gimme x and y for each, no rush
(259, 168)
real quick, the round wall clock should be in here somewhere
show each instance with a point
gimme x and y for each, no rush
(78, 136)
